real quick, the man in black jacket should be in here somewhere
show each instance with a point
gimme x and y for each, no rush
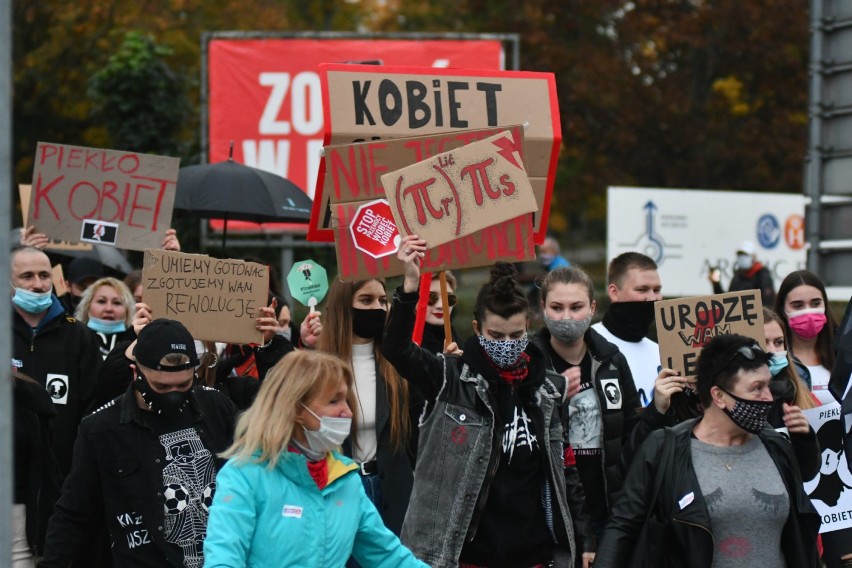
(147, 461)
(52, 347)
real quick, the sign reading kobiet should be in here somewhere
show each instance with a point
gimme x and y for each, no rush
(365, 102)
(685, 325)
(461, 191)
(216, 299)
(99, 196)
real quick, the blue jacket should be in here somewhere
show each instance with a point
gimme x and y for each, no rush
(279, 517)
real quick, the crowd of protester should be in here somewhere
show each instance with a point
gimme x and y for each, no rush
(342, 441)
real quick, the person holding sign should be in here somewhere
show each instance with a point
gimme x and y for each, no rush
(285, 453)
(433, 328)
(355, 314)
(722, 489)
(604, 407)
(491, 480)
(106, 308)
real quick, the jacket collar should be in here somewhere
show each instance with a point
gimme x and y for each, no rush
(130, 410)
(294, 466)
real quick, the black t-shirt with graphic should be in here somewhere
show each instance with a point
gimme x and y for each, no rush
(585, 433)
(188, 483)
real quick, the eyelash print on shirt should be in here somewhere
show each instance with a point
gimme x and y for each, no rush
(767, 502)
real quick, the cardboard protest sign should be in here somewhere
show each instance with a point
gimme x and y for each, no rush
(365, 102)
(685, 325)
(216, 299)
(308, 283)
(24, 192)
(510, 241)
(352, 172)
(461, 191)
(58, 278)
(102, 196)
(831, 490)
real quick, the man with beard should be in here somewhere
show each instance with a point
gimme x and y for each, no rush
(146, 461)
(633, 287)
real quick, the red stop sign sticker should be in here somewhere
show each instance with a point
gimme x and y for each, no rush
(373, 229)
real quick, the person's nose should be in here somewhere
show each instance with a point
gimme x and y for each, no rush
(345, 412)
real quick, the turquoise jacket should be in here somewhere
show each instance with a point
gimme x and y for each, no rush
(279, 517)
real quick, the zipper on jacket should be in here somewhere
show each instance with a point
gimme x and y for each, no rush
(702, 527)
(489, 476)
(32, 341)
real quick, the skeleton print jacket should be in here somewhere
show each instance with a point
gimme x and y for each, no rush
(152, 480)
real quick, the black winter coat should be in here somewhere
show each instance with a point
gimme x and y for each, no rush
(607, 363)
(33, 412)
(62, 356)
(118, 475)
(688, 540)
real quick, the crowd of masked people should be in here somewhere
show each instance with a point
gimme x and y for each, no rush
(343, 442)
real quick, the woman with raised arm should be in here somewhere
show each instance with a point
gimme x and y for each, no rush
(492, 488)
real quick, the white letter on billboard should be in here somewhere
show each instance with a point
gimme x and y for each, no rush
(269, 123)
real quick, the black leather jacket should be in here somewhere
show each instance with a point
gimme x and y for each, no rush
(689, 541)
(118, 472)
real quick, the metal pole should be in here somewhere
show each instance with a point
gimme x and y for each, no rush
(815, 157)
(6, 454)
(286, 265)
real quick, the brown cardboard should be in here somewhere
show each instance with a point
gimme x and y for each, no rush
(510, 241)
(217, 300)
(685, 325)
(72, 184)
(58, 277)
(24, 192)
(369, 103)
(352, 172)
(459, 192)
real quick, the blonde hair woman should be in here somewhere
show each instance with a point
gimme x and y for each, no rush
(106, 308)
(287, 497)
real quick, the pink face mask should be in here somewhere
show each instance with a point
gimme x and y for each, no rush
(807, 323)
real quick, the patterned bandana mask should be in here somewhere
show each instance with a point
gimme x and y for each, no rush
(504, 353)
(750, 415)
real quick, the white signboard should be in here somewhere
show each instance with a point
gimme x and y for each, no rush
(831, 490)
(689, 231)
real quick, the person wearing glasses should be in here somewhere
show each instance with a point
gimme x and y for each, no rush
(433, 330)
(720, 490)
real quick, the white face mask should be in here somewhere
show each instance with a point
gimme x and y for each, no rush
(331, 434)
(744, 261)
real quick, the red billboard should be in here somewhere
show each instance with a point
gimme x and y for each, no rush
(265, 96)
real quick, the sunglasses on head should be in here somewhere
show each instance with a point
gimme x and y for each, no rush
(435, 296)
(750, 352)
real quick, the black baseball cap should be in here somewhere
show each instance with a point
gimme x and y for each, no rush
(163, 337)
(84, 268)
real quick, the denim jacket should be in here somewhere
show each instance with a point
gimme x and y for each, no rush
(459, 446)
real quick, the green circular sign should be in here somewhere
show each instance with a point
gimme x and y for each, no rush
(308, 282)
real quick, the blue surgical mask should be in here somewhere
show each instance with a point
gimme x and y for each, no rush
(32, 302)
(778, 362)
(106, 326)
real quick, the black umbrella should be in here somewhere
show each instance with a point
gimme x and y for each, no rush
(230, 190)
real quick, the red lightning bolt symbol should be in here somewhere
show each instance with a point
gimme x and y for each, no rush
(507, 150)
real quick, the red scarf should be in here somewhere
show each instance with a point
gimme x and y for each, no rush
(317, 469)
(517, 372)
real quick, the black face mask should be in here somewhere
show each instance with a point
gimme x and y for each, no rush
(369, 324)
(629, 321)
(171, 402)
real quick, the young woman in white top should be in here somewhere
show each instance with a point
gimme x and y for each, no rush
(354, 321)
